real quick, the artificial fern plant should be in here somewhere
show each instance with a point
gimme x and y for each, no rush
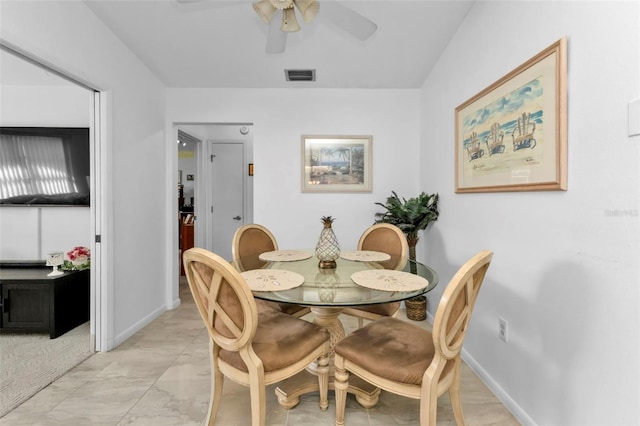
(411, 216)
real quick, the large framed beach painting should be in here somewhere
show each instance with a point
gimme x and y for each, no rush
(336, 163)
(512, 136)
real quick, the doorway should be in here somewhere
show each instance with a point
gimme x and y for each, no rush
(54, 100)
(187, 170)
(223, 189)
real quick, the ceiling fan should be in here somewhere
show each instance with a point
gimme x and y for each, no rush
(281, 17)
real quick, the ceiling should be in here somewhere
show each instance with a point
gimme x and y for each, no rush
(221, 43)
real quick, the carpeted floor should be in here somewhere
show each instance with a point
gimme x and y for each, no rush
(30, 362)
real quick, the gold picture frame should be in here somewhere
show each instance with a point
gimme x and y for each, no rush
(336, 163)
(512, 136)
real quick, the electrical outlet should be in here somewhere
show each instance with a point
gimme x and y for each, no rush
(502, 329)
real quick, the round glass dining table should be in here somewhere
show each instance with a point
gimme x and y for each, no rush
(327, 292)
(333, 287)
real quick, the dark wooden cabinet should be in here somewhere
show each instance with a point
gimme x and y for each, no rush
(186, 241)
(33, 301)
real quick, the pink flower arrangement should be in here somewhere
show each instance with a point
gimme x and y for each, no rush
(77, 259)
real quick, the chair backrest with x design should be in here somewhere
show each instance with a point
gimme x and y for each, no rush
(224, 301)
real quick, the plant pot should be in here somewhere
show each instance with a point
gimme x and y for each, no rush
(416, 308)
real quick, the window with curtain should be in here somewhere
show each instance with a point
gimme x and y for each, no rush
(33, 165)
(39, 164)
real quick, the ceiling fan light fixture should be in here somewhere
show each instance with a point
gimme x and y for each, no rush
(281, 4)
(289, 21)
(308, 9)
(264, 9)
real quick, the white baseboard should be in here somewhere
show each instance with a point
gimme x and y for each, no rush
(497, 390)
(138, 326)
(174, 305)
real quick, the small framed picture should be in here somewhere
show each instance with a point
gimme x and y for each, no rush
(189, 177)
(336, 163)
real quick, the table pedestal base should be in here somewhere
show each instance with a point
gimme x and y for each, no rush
(305, 382)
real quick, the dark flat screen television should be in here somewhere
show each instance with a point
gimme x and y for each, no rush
(44, 166)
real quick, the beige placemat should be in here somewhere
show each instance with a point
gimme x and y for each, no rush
(364, 255)
(272, 279)
(389, 280)
(285, 255)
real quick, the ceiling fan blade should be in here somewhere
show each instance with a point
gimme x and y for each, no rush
(198, 5)
(276, 40)
(348, 19)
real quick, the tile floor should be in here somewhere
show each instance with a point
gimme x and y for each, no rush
(160, 376)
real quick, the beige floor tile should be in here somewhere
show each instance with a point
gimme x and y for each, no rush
(161, 377)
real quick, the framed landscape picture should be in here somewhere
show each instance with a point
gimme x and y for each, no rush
(512, 136)
(336, 163)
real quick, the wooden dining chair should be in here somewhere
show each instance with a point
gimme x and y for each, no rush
(249, 241)
(407, 360)
(252, 348)
(385, 238)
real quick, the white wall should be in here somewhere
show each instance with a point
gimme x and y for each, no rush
(280, 118)
(29, 233)
(42, 106)
(565, 271)
(68, 36)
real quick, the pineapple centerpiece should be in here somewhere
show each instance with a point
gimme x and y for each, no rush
(327, 249)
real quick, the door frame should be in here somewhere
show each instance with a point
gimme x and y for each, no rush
(101, 290)
(211, 132)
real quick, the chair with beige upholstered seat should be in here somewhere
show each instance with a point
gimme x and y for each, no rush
(385, 238)
(251, 348)
(249, 241)
(407, 360)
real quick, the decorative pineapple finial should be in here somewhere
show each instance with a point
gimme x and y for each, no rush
(327, 220)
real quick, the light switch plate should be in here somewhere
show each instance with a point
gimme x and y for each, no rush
(634, 117)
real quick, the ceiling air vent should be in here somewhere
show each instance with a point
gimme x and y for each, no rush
(300, 75)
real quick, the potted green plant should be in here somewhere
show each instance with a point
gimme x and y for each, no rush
(411, 216)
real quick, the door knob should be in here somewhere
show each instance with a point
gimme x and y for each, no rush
(237, 218)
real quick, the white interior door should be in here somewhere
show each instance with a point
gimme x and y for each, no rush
(226, 194)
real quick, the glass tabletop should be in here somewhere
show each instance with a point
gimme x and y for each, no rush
(333, 287)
